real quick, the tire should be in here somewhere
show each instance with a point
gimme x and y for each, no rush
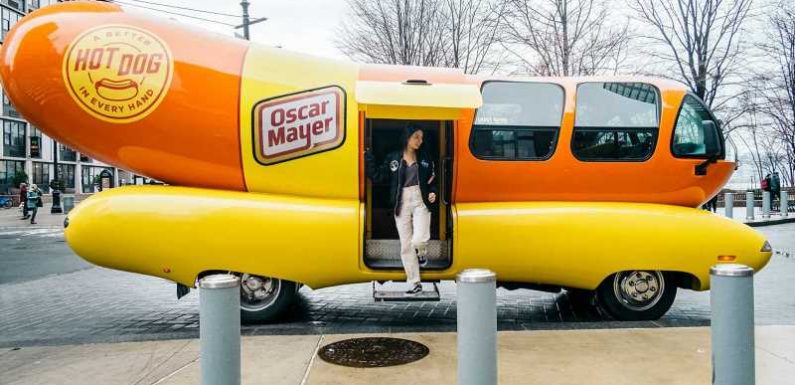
(637, 295)
(264, 299)
(8, 204)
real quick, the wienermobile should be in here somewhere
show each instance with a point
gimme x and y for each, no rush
(585, 184)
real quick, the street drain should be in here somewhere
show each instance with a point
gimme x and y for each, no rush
(373, 352)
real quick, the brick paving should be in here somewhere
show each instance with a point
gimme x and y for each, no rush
(101, 305)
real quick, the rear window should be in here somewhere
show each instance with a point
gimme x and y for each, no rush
(615, 122)
(518, 121)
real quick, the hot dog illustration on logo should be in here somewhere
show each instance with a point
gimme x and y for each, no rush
(118, 73)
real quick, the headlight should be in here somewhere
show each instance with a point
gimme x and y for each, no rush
(766, 248)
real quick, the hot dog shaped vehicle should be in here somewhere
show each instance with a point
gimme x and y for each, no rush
(578, 183)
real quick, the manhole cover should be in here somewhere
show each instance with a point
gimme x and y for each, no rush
(373, 352)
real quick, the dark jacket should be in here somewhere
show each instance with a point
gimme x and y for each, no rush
(393, 169)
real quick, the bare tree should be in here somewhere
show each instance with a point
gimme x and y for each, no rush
(451, 33)
(778, 96)
(472, 31)
(564, 37)
(699, 38)
(408, 32)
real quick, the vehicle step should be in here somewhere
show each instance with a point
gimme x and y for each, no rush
(401, 296)
(389, 249)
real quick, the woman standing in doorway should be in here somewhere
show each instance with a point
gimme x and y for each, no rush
(411, 174)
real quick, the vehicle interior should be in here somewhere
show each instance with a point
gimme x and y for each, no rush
(382, 245)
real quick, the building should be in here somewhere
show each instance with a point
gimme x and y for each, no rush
(25, 148)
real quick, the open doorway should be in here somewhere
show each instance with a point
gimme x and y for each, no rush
(382, 246)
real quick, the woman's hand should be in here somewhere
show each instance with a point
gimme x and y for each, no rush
(432, 197)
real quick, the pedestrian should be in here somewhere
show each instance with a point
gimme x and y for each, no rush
(713, 204)
(775, 188)
(411, 174)
(34, 202)
(23, 199)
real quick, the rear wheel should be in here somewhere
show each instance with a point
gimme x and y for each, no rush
(264, 299)
(637, 295)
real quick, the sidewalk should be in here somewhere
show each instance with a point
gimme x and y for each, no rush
(776, 218)
(11, 218)
(614, 357)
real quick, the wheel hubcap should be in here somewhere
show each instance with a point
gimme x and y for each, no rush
(638, 290)
(257, 292)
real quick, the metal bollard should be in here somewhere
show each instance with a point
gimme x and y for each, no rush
(729, 203)
(219, 329)
(784, 205)
(749, 205)
(732, 302)
(765, 204)
(477, 327)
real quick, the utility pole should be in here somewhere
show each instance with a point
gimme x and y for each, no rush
(244, 4)
(246, 21)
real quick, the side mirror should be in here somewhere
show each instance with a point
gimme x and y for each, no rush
(712, 144)
(711, 138)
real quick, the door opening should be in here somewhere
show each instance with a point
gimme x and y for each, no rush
(382, 246)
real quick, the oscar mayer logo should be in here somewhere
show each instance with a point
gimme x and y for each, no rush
(118, 73)
(297, 125)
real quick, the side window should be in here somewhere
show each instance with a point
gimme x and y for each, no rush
(518, 121)
(696, 134)
(615, 122)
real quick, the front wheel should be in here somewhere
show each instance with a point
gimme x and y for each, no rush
(264, 299)
(637, 295)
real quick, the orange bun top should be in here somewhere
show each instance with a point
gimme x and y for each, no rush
(99, 68)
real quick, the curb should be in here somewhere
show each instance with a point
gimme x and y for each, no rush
(771, 222)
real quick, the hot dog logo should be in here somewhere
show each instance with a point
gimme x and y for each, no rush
(297, 125)
(118, 73)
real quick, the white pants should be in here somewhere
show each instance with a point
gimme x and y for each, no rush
(414, 229)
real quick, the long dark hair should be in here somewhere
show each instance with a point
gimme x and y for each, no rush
(408, 131)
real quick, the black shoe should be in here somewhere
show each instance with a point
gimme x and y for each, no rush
(423, 261)
(415, 290)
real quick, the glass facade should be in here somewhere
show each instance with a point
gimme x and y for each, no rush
(66, 153)
(91, 177)
(14, 138)
(35, 143)
(9, 168)
(41, 175)
(8, 108)
(9, 17)
(66, 173)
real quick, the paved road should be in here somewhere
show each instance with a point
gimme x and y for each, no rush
(49, 296)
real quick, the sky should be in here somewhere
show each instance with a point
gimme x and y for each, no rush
(298, 25)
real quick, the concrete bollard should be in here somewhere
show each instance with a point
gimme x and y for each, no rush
(477, 327)
(784, 206)
(219, 329)
(732, 302)
(728, 199)
(765, 204)
(749, 205)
